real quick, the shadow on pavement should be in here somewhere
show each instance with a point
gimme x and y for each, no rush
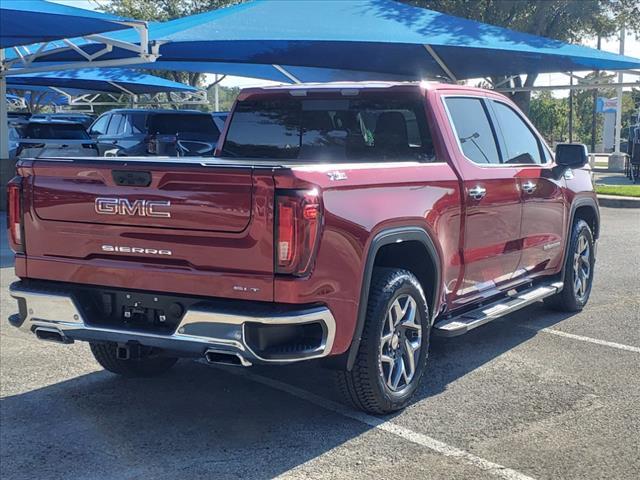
(199, 421)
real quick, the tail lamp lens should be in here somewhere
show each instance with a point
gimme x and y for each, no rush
(14, 214)
(299, 216)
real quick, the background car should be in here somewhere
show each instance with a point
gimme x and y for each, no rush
(82, 118)
(155, 132)
(18, 119)
(14, 142)
(56, 139)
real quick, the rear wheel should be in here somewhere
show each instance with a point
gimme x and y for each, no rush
(578, 271)
(393, 351)
(147, 364)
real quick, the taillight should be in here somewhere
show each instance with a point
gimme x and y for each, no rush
(14, 214)
(298, 222)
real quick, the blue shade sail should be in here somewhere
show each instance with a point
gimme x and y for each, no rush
(99, 80)
(381, 37)
(23, 22)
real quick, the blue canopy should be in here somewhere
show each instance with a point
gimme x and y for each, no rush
(380, 36)
(99, 80)
(23, 22)
(44, 95)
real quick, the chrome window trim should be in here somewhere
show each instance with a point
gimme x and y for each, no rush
(490, 165)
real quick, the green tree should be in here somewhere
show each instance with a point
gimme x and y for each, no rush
(565, 20)
(550, 116)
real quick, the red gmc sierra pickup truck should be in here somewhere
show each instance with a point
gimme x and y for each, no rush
(341, 222)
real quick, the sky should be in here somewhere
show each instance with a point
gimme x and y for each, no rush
(632, 49)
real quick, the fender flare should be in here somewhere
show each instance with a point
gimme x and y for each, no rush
(386, 237)
(577, 203)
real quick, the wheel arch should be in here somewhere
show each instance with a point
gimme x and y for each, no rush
(388, 241)
(585, 208)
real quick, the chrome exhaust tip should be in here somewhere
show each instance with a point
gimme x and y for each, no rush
(221, 357)
(51, 335)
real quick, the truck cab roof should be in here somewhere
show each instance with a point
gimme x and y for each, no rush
(352, 88)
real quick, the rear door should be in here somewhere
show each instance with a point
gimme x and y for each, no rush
(98, 130)
(108, 143)
(493, 205)
(544, 205)
(204, 229)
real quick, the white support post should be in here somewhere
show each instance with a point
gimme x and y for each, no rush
(617, 158)
(619, 99)
(283, 71)
(4, 120)
(216, 94)
(440, 62)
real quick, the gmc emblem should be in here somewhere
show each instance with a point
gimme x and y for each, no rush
(139, 208)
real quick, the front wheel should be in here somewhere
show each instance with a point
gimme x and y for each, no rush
(146, 365)
(393, 351)
(578, 271)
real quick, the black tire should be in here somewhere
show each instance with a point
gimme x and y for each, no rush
(570, 299)
(148, 365)
(365, 386)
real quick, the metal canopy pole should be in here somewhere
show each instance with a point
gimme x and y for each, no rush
(4, 120)
(283, 71)
(440, 62)
(619, 100)
(571, 110)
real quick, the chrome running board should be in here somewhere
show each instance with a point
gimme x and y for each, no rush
(461, 324)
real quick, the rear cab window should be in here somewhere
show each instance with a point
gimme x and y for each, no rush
(56, 131)
(373, 127)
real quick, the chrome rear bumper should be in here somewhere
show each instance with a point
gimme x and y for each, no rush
(199, 331)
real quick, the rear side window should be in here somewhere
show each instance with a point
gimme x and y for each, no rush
(116, 125)
(373, 128)
(173, 123)
(56, 131)
(473, 129)
(521, 143)
(138, 122)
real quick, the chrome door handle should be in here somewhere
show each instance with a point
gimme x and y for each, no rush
(529, 187)
(477, 192)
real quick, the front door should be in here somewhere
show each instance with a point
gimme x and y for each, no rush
(493, 204)
(544, 204)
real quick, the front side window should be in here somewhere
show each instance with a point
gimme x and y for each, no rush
(376, 128)
(472, 126)
(521, 144)
(100, 125)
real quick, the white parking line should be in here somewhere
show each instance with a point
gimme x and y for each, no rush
(388, 426)
(596, 341)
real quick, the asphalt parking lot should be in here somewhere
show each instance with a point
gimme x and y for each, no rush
(535, 395)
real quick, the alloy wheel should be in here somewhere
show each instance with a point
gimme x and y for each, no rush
(400, 343)
(581, 267)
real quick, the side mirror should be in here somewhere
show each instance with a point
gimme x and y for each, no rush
(572, 155)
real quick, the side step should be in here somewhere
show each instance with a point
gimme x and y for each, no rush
(452, 327)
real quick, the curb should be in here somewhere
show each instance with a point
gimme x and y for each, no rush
(615, 201)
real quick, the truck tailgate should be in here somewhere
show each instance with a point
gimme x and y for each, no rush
(189, 227)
